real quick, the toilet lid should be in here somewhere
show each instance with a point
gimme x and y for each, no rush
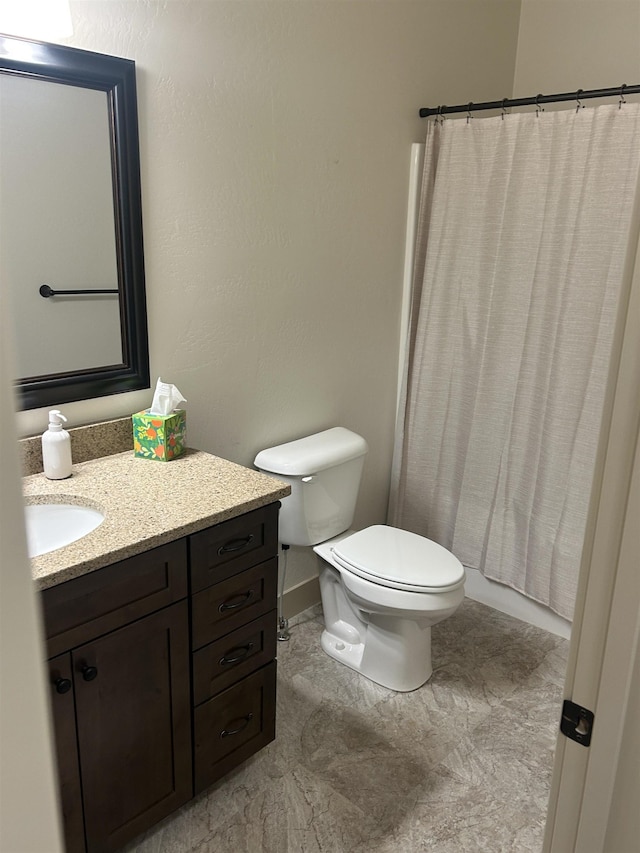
(399, 559)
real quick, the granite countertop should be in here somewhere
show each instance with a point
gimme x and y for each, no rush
(146, 504)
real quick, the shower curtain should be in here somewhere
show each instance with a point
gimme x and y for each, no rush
(524, 227)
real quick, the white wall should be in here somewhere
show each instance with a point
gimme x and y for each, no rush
(275, 141)
(565, 45)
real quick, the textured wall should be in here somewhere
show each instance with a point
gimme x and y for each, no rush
(275, 143)
(565, 45)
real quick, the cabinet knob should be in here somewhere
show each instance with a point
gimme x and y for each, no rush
(88, 672)
(62, 685)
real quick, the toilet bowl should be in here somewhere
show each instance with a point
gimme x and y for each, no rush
(379, 612)
(382, 588)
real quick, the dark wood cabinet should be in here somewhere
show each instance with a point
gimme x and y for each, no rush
(136, 734)
(134, 726)
(232, 546)
(232, 603)
(234, 570)
(221, 663)
(234, 725)
(63, 712)
(120, 698)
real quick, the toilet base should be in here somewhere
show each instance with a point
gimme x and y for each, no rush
(349, 654)
(392, 650)
(395, 667)
(383, 633)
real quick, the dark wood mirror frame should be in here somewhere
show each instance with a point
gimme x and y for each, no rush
(116, 77)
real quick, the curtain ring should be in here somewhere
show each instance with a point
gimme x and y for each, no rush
(622, 100)
(539, 109)
(469, 116)
(504, 107)
(578, 102)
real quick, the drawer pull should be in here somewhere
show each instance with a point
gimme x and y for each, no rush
(235, 545)
(242, 651)
(62, 685)
(88, 672)
(245, 722)
(244, 599)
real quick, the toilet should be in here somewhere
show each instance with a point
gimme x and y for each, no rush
(382, 588)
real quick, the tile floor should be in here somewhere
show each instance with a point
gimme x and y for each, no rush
(462, 764)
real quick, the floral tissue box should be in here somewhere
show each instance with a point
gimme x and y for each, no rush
(161, 437)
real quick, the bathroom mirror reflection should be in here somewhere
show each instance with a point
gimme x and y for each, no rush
(71, 220)
(56, 183)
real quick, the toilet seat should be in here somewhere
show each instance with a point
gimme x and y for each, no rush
(400, 560)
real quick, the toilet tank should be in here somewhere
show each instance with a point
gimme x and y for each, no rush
(324, 473)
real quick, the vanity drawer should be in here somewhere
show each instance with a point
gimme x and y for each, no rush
(84, 608)
(236, 655)
(234, 545)
(222, 608)
(234, 725)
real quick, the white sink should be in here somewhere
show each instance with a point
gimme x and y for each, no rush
(51, 526)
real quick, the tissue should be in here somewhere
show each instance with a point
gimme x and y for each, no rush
(160, 432)
(166, 399)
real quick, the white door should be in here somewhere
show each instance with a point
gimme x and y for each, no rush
(29, 816)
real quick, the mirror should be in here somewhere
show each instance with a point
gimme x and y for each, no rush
(71, 253)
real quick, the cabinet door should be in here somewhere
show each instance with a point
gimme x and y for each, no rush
(133, 718)
(63, 713)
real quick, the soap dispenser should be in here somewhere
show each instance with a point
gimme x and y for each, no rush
(56, 448)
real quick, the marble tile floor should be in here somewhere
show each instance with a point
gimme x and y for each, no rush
(462, 764)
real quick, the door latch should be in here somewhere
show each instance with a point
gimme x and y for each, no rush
(576, 722)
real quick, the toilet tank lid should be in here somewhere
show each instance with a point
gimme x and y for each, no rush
(307, 456)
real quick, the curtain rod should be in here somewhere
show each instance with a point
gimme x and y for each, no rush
(534, 100)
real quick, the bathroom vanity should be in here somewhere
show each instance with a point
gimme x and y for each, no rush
(161, 635)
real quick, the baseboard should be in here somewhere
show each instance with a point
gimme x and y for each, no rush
(300, 597)
(513, 603)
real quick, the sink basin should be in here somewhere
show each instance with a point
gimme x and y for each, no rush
(52, 526)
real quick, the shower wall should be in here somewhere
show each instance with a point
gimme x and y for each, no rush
(565, 45)
(514, 603)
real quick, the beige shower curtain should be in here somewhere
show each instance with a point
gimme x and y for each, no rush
(524, 227)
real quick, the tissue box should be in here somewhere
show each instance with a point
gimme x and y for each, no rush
(161, 437)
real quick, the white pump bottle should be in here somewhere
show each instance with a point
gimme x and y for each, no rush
(56, 448)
